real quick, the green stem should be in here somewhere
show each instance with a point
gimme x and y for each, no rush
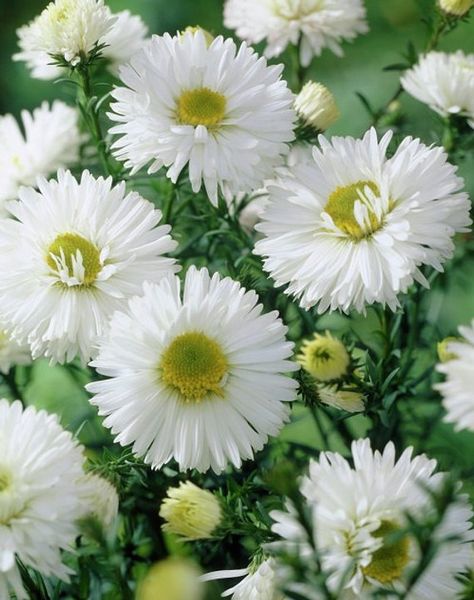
(317, 420)
(10, 380)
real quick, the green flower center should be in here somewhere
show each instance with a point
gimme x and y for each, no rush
(194, 364)
(201, 106)
(68, 250)
(340, 207)
(5, 479)
(389, 561)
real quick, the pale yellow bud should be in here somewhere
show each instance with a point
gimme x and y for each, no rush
(172, 579)
(324, 357)
(316, 107)
(194, 29)
(351, 401)
(444, 354)
(190, 512)
(456, 7)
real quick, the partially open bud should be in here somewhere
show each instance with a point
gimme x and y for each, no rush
(444, 353)
(456, 7)
(172, 579)
(324, 357)
(316, 107)
(348, 400)
(194, 29)
(191, 512)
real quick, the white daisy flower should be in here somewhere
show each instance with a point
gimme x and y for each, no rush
(67, 28)
(12, 353)
(216, 108)
(199, 378)
(314, 24)
(457, 390)
(100, 499)
(353, 227)
(355, 510)
(76, 253)
(49, 140)
(122, 40)
(257, 584)
(445, 82)
(40, 466)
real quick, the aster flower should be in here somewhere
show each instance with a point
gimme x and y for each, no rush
(353, 227)
(39, 494)
(121, 42)
(457, 390)
(316, 107)
(445, 82)
(356, 509)
(50, 140)
(259, 583)
(69, 29)
(77, 251)
(311, 23)
(198, 378)
(190, 512)
(216, 108)
(12, 353)
(99, 498)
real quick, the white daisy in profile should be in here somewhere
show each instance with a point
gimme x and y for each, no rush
(353, 227)
(12, 353)
(445, 82)
(357, 512)
(124, 38)
(77, 251)
(258, 583)
(217, 108)
(40, 467)
(69, 29)
(458, 388)
(313, 24)
(200, 377)
(48, 140)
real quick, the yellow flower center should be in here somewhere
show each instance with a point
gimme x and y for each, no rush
(201, 106)
(389, 561)
(5, 479)
(68, 250)
(195, 365)
(340, 207)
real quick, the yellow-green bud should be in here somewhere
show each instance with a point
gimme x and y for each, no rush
(324, 357)
(444, 354)
(456, 7)
(316, 107)
(172, 579)
(190, 512)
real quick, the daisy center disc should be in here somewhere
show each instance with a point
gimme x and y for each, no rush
(341, 204)
(195, 365)
(201, 106)
(389, 561)
(79, 257)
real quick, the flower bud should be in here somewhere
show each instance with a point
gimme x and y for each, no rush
(190, 512)
(316, 107)
(194, 29)
(456, 7)
(172, 579)
(324, 357)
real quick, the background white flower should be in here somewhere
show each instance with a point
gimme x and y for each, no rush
(355, 509)
(199, 379)
(445, 82)
(12, 352)
(353, 227)
(317, 24)
(218, 109)
(77, 251)
(458, 389)
(99, 498)
(124, 38)
(50, 140)
(40, 466)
